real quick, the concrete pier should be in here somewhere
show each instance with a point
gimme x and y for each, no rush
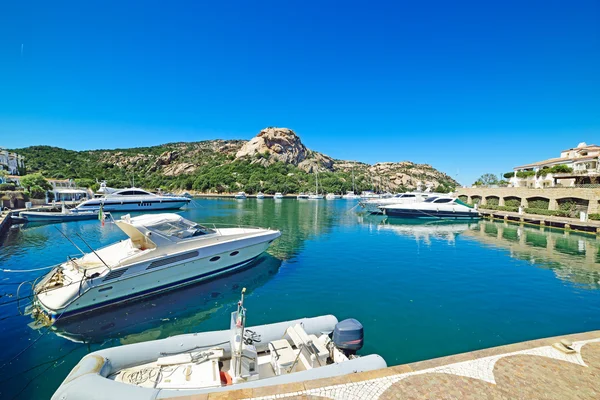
(528, 370)
(589, 226)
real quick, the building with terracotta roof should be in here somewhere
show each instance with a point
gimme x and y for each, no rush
(575, 166)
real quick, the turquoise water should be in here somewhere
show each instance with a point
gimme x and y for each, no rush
(421, 290)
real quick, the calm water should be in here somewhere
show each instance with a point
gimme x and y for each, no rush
(420, 290)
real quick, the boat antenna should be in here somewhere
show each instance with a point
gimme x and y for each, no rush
(93, 251)
(66, 237)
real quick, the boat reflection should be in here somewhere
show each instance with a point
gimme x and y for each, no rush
(420, 230)
(172, 313)
(571, 256)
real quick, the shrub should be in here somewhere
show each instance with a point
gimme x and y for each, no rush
(500, 208)
(7, 186)
(539, 204)
(509, 175)
(492, 201)
(555, 213)
(512, 203)
(595, 217)
(525, 174)
(36, 192)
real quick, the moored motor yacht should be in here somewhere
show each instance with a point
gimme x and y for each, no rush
(443, 207)
(260, 195)
(350, 195)
(133, 199)
(278, 195)
(333, 196)
(372, 205)
(302, 196)
(240, 195)
(163, 252)
(218, 361)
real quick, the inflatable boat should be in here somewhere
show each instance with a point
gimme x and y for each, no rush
(217, 361)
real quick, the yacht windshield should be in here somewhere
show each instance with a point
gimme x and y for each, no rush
(180, 229)
(430, 199)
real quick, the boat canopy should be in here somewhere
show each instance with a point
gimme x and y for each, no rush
(170, 225)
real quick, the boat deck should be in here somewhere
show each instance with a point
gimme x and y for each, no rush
(528, 370)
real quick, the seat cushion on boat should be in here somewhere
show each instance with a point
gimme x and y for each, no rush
(321, 349)
(283, 352)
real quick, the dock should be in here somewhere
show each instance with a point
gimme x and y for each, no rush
(589, 226)
(528, 370)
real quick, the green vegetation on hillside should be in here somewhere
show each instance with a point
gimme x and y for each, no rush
(208, 166)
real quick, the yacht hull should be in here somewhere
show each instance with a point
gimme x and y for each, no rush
(131, 205)
(430, 214)
(148, 282)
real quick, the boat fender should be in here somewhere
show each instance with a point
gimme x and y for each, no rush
(225, 378)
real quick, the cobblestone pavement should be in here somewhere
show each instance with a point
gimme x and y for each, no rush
(529, 370)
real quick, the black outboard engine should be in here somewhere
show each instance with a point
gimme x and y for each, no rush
(348, 336)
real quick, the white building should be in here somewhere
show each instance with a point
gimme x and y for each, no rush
(581, 166)
(67, 190)
(11, 162)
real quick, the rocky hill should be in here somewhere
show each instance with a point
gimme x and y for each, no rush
(274, 160)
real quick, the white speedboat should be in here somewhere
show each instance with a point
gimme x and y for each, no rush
(372, 205)
(369, 194)
(302, 196)
(332, 196)
(350, 196)
(240, 195)
(133, 199)
(443, 207)
(163, 252)
(278, 195)
(218, 361)
(260, 195)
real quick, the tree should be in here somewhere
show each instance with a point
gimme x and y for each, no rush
(38, 180)
(487, 180)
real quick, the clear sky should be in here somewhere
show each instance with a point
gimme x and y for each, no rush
(469, 87)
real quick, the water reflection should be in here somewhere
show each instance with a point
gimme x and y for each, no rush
(298, 221)
(422, 231)
(573, 257)
(168, 314)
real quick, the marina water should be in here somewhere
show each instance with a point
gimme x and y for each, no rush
(421, 289)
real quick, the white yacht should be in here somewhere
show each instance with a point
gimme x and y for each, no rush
(260, 195)
(133, 199)
(163, 252)
(278, 195)
(240, 195)
(372, 205)
(369, 194)
(350, 196)
(302, 196)
(333, 196)
(443, 207)
(104, 190)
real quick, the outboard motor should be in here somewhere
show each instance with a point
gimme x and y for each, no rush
(348, 336)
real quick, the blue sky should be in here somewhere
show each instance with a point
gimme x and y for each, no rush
(469, 87)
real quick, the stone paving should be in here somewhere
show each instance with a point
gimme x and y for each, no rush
(529, 370)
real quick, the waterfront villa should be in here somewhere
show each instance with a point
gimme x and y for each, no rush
(67, 190)
(11, 162)
(575, 166)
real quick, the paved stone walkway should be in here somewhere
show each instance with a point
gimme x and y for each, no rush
(529, 370)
